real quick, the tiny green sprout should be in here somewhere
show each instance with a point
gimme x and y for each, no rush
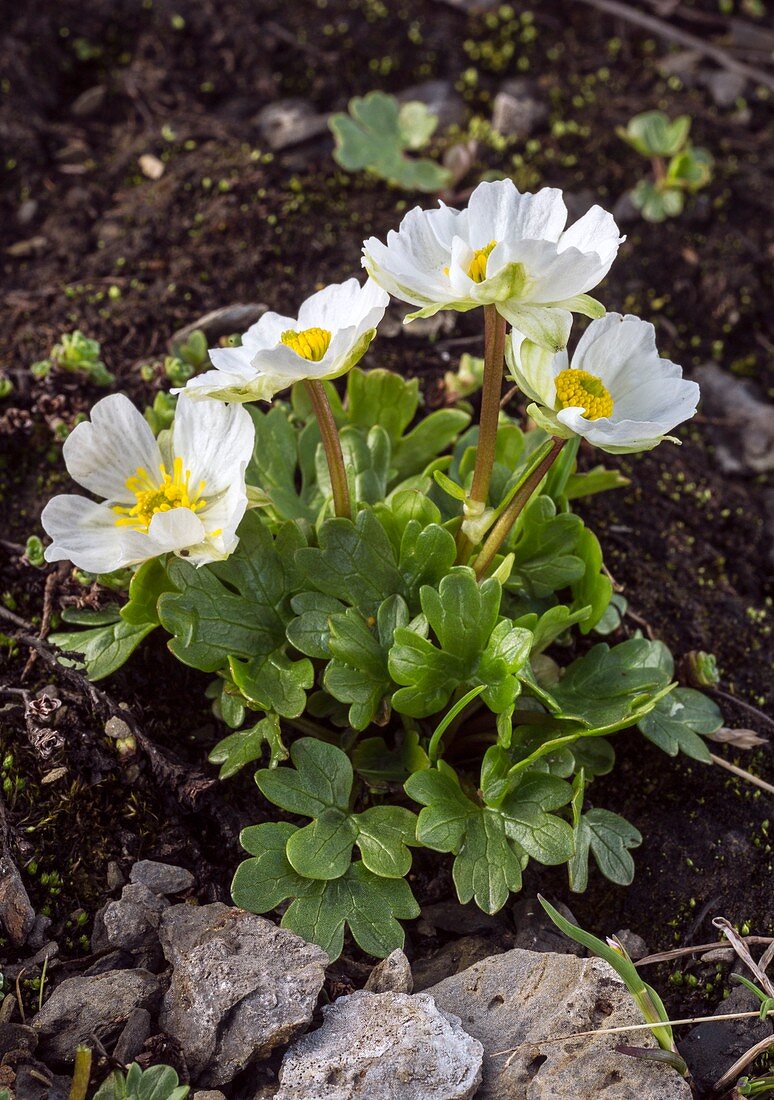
(41, 369)
(703, 669)
(75, 353)
(467, 379)
(645, 997)
(161, 413)
(158, 1082)
(6, 387)
(377, 135)
(679, 168)
(34, 551)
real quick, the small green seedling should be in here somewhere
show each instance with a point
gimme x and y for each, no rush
(645, 997)
(679, 168)
(188, 359)
(378, 134)
(466, 380)
(155, 1083)
(161, 413)
(77, 354)
(759, 1087)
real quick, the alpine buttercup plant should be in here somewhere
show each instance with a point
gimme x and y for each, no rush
(376, 597)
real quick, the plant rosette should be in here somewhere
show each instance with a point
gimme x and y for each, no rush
(404, 682)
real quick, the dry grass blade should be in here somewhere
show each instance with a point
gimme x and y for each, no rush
(641, 1027)
(699, 948)
(732, 1073)
(740, 947)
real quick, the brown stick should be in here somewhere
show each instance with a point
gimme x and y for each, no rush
(665, 30)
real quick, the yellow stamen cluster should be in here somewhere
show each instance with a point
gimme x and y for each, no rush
(477, 269)
(153, 495)
(580, 390)
(311, 343)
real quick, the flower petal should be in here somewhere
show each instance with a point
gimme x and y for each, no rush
(342, 305)
(411, 265)
(176, 530)
(497, 211)
(215, 442)
(534, 369)
(266, 332)
(86, 533)
(547, 326)
(235, 387)
(596, 232)
(102, 453)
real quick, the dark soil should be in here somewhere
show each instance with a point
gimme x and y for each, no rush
(87, 241)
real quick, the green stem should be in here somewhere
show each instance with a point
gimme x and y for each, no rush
(81, 1074)
(504, 525)
(332, 446)
(494, 358)
(494, 353)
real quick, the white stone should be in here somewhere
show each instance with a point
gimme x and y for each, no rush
(383, 1046)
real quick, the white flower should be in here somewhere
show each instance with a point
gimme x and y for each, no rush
(617, 392)
(332, 334)
(507, 249)
(184, 494)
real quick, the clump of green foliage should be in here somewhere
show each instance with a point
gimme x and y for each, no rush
(189, 358)
(430, 714)
(679, 168)
(380, 135)
(154, 1083)
(76, 354)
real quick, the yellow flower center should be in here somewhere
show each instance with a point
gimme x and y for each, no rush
(152, 497)
(580, 390)
(310, 344)
(477, 269)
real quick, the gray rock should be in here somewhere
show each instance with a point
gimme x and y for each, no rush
(519, 1000)
(744, 441)
(132, 1039)
(386, 1045)
(38, 937)
(288, 122)
(18, 1038)
(208, 1094)
(391, 975)
(30, 1084)
(113, 960)
(634, 944)
(101, 1004)
(16, 913)
(518, 110)
(453, 957)
(240, 987)
(725, 87)
(442, 99)
(115, 876)
(131, 922)
(535, 931)
(711, 1049)
(162, 878)
(224, 321)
